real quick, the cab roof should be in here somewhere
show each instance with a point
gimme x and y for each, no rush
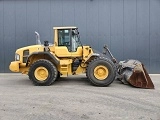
(69, 27)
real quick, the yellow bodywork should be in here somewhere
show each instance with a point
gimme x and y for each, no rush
(60, 53)
(14, 66)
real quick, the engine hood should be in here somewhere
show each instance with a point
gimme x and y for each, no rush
(31, 48)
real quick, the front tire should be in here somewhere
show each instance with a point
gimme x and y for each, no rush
(42, 73)
(101, 72)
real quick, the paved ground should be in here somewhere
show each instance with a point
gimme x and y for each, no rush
(74, 98)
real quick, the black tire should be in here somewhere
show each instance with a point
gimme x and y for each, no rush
(48, 67)
(107, 65)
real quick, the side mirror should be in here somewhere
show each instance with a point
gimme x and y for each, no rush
(73, 32)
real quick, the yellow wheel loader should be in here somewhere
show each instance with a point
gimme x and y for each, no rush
(44, 63)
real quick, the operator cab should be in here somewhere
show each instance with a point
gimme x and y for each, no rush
(69, 37)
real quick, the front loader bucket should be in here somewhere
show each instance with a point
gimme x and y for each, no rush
(135, 74)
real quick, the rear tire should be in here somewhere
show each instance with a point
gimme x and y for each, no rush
(101, 72)
(42, 73)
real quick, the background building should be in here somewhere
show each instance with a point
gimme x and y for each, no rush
(131, 28)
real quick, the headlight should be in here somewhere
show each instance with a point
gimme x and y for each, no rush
(17, 57)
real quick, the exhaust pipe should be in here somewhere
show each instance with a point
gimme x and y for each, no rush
(38, 42)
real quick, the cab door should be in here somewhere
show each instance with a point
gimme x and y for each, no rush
(68, 44)
(64, 44)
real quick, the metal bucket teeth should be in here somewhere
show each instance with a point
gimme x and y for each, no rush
(135, 74)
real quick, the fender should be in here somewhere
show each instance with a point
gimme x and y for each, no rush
(45, 53)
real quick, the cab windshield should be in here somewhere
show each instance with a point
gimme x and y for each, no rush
(75, 40)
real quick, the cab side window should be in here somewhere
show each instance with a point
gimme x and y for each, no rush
(64, 38)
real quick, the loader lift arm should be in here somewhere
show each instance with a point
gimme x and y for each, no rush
(131, 72)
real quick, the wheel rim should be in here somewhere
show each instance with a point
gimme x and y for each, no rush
(101, 72)
(41, 73)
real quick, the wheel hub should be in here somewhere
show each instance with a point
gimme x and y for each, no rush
(41, 73)
(101, 72)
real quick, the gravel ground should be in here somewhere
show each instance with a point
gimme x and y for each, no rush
(73, 98)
